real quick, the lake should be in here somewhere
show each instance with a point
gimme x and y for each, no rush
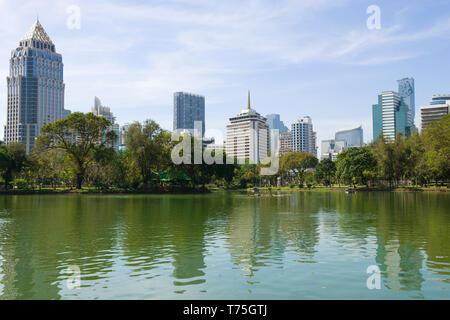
(226, 245)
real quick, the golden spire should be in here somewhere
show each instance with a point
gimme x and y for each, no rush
(248, 99)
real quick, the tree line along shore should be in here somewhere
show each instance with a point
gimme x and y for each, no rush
(76, 155)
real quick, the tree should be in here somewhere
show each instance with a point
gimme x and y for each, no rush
(297, 162)
(352, 163)
(149, 148)
(82, 137)
(12, 159)
(325, 171)
(437, 148)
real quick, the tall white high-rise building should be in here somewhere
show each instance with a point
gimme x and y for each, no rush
(99, 110)
(303, 136)
(390, 116)
(248, 136)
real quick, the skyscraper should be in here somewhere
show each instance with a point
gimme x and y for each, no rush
(188, 108)
(390, 116)
(274, 122)
(353, 137)
(406, 90)
(303, 136)
(248, 136)
(35, 87)
(99, 110)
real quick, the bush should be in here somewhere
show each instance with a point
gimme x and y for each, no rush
(291, 185)
(20, 184)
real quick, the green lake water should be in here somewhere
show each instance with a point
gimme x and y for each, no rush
(305, 245)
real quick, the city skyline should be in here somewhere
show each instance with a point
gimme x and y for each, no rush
(171, 61)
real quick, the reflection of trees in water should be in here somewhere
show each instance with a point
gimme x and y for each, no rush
(171, 229)
(43, 241)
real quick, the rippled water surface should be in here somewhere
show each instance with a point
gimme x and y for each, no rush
(304, 245)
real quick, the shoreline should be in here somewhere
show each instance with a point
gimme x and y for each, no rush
(190, 191)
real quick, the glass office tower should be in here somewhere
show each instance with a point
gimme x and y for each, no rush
(390, 116)
(35, 87)
(188, 108)
(353, 137)
(407, 92)
(274, 122)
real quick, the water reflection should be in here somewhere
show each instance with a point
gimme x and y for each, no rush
(169, 246)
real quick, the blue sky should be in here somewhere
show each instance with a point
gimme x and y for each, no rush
(311, 57)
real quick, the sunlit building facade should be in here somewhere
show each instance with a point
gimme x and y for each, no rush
(248, 136)
(390, 116)
(35, 87)
(303, 136)
(439, 107)
(353, 137)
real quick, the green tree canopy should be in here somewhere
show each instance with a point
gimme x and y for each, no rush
(82, 137)
(352, 164)
(297, 162)
(148, 146)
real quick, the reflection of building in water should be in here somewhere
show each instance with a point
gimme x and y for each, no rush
(400, 264)
(187, 221)
(256, 231)
(22, 277)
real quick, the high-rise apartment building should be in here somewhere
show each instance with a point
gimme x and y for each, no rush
(303, 136)
(390, 116)
(187, 109)
(353, 137)
(35, 87)
(247, 136)
(439, 107)
(285, 142)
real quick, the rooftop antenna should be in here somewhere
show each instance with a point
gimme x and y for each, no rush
(248, 99)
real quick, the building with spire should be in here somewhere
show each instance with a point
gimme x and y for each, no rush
(247, 137)
(35, 87)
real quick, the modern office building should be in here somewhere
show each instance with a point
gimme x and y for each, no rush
(303, 136)
(274, 122)
(285, 142)
(390, 116)
(35, 87)
(248, 136)
(188, 108)
(66, 113)
(329, 149)
(353, 137)
(99, 110)
(406, 91)
(439, 107)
